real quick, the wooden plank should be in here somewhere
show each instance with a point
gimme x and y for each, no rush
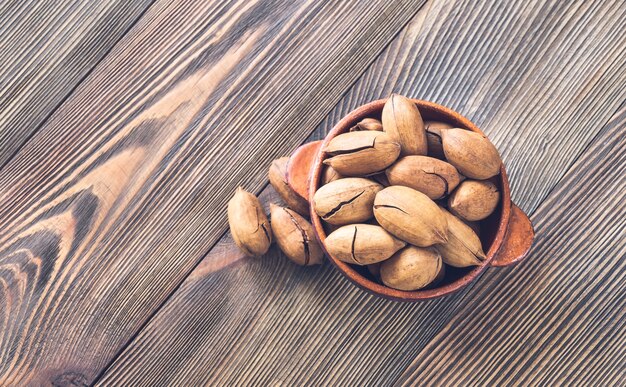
(540, 78)
(113, 202)
(560, 317)
(238, 321)
(46, 49)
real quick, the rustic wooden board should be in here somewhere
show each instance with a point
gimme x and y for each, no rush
(540, 78)
(560, 317)
(266, 321)
(237, 320)
(110, 205)
(46, 49)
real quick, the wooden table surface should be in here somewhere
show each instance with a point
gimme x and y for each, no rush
(125, 127)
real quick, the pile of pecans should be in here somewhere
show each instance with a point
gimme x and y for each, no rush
(402, 196)
(290, 228)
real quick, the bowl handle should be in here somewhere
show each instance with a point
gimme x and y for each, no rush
(517, 240)
(299, 168)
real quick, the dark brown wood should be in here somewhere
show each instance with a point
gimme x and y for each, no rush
(541, 78)
(117, 198)
(559, 317)
(493, 229)
(46, 49)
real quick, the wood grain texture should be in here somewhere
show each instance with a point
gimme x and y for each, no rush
(112, 203)
(46, 49)
(267, 321)
(560, 317)
(540, 78)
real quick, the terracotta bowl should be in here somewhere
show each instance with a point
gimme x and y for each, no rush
(506, 235)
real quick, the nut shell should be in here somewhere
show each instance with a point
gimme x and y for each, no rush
(330, 174)
(403, 122)
(345, 201)
(474, 200)
(410, 215)
(411, 268)
(295, 236)
(471, 153)
(368, 124)
(362, 244)
(463, 248)
(361, 153)
(278, 179)
(433, 137)
(429, 175)
(248, 224)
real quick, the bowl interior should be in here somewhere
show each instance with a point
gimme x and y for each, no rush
(492, 229)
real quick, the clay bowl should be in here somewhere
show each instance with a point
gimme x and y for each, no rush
(506, 235)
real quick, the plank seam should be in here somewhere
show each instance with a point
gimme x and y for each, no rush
(591, 142)
(186, 276)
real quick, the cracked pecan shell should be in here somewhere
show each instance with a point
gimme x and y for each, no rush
(463, 248)
(248, 224)
(361, 153)
(345, 201)
(367, 124)
(410, 215)
(431, 176)
(277, 175)
(295, 236)
(403, 122)
(362, 244)
(433, 137)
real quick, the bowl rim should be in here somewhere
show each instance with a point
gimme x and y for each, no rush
(371, 109)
